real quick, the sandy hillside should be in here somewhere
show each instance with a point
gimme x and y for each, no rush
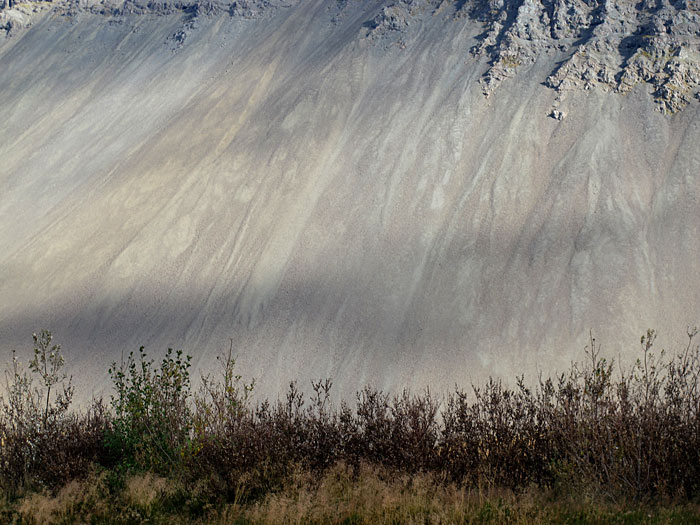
(337, 197)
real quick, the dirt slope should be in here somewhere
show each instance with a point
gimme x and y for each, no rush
(335, 194)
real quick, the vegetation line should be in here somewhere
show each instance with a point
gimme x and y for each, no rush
(161, 451)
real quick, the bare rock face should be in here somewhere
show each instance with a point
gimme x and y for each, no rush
(517, 32)
(15, 17)
(613, 45)
(395, 17)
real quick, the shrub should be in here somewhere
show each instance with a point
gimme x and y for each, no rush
(599, 429)
(42, 442)
(151, 416)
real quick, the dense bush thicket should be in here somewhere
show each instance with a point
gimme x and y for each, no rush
(631, 434)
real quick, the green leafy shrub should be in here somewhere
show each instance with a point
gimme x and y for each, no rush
(151, 415)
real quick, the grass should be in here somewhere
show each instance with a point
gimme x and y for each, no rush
(340, 496)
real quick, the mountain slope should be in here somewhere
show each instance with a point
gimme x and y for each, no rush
(332, 189)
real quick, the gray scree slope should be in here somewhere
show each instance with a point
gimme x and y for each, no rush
(370, 191)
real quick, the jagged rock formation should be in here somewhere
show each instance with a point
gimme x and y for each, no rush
(326, 183)
(609, 44)
(14, 17)
(612, 45)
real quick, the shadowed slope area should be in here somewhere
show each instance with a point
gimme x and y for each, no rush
(338, 206)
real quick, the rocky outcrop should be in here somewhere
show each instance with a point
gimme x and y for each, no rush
(612, 45)
(395, 18)
(14, 16)
(257, 8)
